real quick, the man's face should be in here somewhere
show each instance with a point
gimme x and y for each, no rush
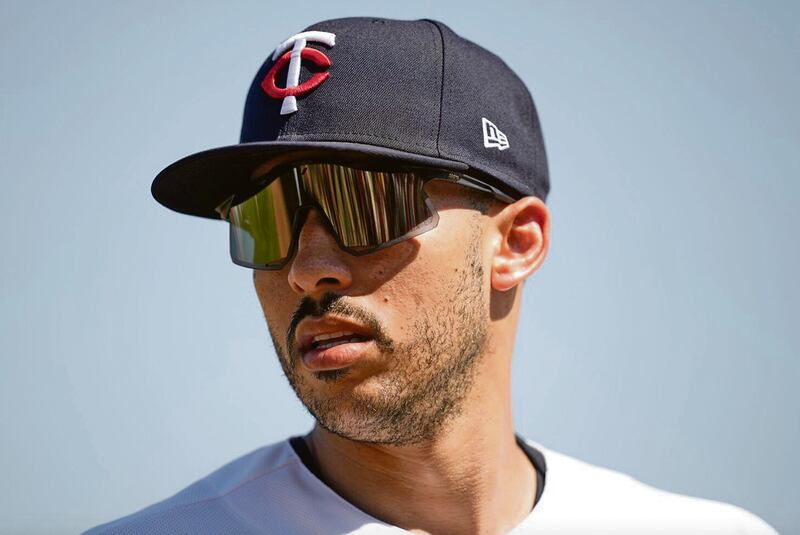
(424, 303)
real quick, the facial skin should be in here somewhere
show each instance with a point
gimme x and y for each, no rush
(428, 344)
(429, 313)
(435, 387)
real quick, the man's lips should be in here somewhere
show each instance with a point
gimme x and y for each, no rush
(338, 356)
(329, 343)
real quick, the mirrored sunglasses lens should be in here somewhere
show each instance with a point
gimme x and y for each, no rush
(261, 226)
(367, 208)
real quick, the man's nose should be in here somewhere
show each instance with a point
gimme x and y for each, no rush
(319, 265)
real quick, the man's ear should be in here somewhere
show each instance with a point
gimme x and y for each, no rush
(524, 236)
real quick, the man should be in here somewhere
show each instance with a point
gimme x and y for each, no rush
(389, 194)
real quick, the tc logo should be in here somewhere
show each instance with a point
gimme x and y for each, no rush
(294, 57)
(492, 136)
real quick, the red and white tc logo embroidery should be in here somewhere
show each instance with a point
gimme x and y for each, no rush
(294, 57)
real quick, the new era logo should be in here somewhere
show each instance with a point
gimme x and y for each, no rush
(492, 136)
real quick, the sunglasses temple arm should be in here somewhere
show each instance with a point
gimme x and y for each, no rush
(474, 183)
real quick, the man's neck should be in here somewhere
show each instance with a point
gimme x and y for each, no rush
(473, 479)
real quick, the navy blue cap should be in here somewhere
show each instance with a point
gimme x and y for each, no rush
(409, 91)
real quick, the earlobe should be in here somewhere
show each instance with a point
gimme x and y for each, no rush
(524, 235)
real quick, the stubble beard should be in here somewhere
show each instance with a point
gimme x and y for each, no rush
(429, 377)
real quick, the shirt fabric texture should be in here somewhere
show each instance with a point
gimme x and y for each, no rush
(272, 491)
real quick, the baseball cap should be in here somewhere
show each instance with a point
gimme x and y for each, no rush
(410, 91)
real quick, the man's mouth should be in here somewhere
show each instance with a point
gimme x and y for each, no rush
(331, 342)
(336, 352)
(324, 341)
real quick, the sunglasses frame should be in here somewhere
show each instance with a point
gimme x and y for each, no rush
(427, 175)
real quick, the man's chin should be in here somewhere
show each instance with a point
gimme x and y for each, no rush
(362, 431)
(343, 392)
(359, 412)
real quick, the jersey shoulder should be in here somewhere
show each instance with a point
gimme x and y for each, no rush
(587, 495)
(210, 504)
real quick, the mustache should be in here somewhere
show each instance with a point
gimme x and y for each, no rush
(336, 304)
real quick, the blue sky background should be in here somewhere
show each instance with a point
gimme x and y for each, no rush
(659, 338)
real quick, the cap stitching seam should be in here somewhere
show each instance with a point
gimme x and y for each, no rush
(455, 150)
(441, 88)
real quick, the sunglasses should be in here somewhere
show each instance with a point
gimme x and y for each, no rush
(364, 208)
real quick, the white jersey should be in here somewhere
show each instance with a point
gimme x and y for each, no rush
(271, 491)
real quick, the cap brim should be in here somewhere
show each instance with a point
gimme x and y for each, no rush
(199, 183)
